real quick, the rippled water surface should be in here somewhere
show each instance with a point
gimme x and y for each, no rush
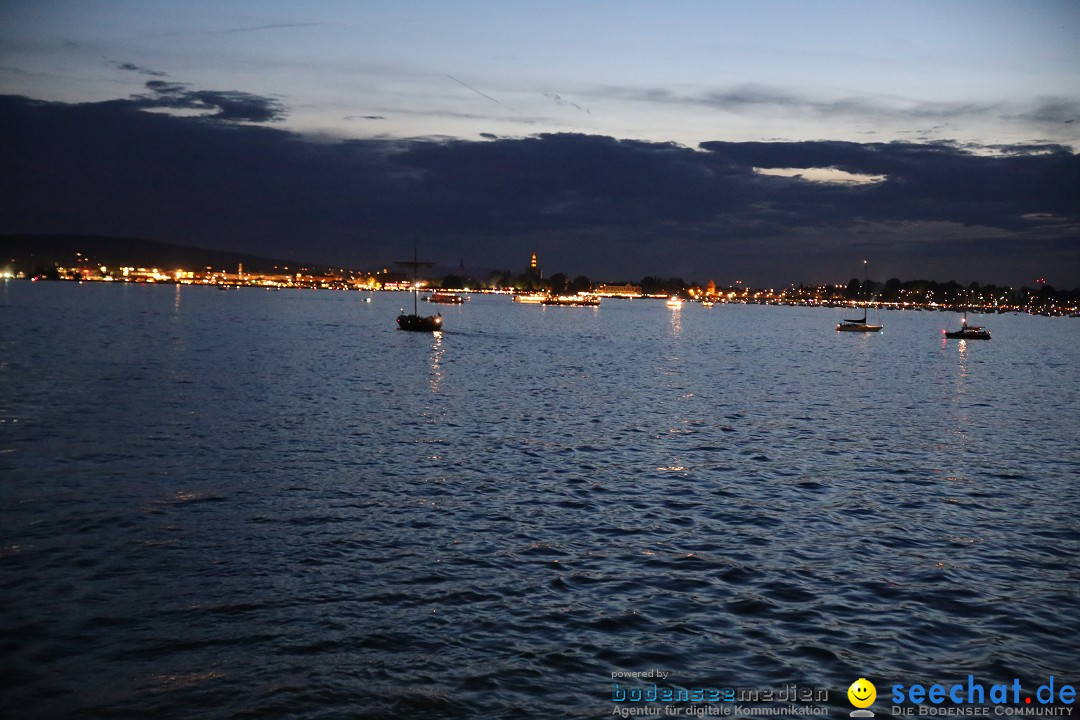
(275, 504)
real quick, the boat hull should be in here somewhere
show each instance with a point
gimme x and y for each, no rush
(445, 299)
(858, 327)
(571, 301)
(968, 335)
(420, 323)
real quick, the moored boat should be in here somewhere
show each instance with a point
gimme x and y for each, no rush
(529, 298)
(421, 323)
(579, 300)
(968, 332)
(416, 321)
(858, 325)
(445, 298)
(861, 325)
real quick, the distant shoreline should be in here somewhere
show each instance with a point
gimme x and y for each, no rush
(1049, 308)
(124, 259)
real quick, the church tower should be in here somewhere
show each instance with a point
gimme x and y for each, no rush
(534, 273)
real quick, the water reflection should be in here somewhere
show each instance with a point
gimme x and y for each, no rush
(175, 367)
(676, 322)
(437, 350)
(961, 415)
(962, 350)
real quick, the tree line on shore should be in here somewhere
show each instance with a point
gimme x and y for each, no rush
(40, 254)
(892, 290)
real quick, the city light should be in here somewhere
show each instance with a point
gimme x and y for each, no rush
(909, 296)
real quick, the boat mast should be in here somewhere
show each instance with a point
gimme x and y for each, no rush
(414, 264)
(867, 305)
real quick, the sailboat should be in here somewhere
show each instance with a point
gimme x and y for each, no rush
(416, 321)
(859, 325)
(968, 332)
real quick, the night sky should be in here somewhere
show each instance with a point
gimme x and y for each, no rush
(771, 142)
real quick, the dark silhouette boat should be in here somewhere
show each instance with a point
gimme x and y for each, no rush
(416, 321)
(420, 323)
(968, 332)
(859, 325)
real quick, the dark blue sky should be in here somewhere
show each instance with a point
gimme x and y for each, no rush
(984, 71)
(587, 204)
(755, 141)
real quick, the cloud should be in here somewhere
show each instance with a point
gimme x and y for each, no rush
(1045, 111)
(1053, 111)
(132, 67)
(230, 105)
(588, 204)
(825, 175)
(560, 100)
(236, 30)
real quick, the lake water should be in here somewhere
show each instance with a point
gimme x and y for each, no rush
(275, 504)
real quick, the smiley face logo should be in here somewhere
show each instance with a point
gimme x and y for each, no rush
(862, 693)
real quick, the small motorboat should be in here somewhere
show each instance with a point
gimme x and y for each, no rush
(579, 300)
(968, 332)
(529, 298)
(445, 298)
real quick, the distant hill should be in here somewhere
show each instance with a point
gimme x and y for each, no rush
(29, 253)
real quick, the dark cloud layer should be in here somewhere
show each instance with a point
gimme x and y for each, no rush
(1049, 111)
(229, 105)
(587, 204)
(132, 67)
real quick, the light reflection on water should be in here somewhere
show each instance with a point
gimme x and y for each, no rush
(676, 322)
(436, 362)
(276, 503)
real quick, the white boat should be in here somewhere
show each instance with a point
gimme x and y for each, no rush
(674, 302)
(858, 325)
(530, 298)
(579, 300)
